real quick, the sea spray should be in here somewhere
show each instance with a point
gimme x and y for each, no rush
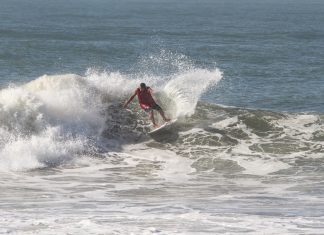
(47, 121)
(186, 89)
(56, 118)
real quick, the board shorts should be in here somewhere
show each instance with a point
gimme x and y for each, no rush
(153, 107)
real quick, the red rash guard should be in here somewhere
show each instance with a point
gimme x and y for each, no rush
(145, 98)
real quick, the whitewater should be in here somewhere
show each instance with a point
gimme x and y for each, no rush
(243, 78)
(73, 160)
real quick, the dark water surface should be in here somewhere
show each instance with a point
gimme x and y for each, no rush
(271, 52)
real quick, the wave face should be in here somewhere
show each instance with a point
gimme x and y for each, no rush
(56, 119)
(66, 141)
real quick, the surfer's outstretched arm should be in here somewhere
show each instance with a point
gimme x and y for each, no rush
(129, 100)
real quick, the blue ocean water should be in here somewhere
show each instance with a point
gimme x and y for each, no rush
(271, 52)
(243, 78)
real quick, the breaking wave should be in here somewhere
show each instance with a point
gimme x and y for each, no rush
(56, 119)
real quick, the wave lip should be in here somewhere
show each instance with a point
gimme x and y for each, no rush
(186, 89)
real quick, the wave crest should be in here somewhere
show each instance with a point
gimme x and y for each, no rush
(51, 119)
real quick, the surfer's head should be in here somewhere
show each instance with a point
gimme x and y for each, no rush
(143, 85)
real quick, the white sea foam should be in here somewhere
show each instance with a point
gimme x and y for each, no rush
(49, 148)
(301, 126)
(260, 166)
(173, 168)
(42, 122)
(55, 116)
(225, 123)
(216, 177)
(186, 89)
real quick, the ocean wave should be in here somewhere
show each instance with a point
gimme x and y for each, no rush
(59, 116)
(56, 120)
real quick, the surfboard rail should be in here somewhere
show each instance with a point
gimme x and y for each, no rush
(163, 126)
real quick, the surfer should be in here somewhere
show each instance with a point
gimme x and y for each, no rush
(146, 102)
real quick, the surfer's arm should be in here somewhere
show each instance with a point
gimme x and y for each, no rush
(129, 100)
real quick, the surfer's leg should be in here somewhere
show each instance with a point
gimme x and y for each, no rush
(163, 116)
(159, 109)
(151, 115)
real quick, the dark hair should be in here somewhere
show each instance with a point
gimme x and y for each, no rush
(143, 85)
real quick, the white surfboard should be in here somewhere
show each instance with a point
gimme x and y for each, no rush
(163, 126)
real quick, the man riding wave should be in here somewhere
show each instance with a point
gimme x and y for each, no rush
(147, 103)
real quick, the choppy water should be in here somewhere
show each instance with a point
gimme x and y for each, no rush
(243, 78)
